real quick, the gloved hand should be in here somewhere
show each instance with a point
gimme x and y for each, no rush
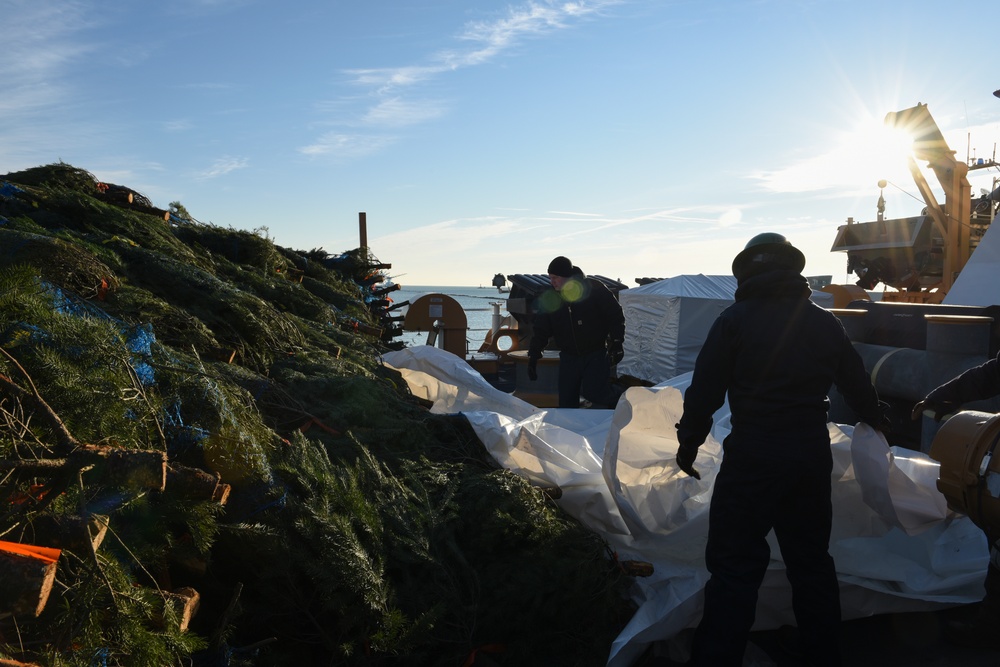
(939, 408)
(615, 352)
(532, 368)
(686, 454)
(881, 421)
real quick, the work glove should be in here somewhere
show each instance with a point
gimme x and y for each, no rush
(939, 408)
(880, 421)
(615, 352)
(687, 452)
(532, 368)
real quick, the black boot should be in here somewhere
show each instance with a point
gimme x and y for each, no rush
(978, 632)
(981, 630)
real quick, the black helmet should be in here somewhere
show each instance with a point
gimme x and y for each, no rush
(766, 252)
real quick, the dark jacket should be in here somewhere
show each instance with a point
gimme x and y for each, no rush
(776, 354)
(975, 384)
(582, 317)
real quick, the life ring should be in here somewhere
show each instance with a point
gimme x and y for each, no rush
(512, 334)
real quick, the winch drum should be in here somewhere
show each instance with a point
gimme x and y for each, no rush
(967, 446)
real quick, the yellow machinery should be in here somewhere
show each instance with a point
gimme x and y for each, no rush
(966, 446)
(440, 316)
(920, 256)
(446, 324)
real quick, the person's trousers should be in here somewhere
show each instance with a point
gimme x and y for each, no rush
(752, 495)
(587, 375)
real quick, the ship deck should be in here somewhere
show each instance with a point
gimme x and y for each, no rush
(914, 639)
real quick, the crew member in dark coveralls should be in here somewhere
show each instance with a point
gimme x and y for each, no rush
(777, 354)
(588, 325)
(975, 384)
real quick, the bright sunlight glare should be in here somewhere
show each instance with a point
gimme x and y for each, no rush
(857, 161)
(871, 153)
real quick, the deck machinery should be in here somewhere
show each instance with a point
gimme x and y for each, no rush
(921, 256)
(910, 340)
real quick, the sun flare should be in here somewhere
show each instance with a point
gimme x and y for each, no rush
(857, 160)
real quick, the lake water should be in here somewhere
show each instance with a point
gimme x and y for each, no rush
(476, 301)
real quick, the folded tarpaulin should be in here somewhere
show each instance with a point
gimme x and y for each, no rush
(896, 545)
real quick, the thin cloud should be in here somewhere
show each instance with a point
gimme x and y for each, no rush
(466, 232)
(38, 42)
(205, 7)
(397, 112)
(178, 125)
(36, 37)
(531, 19)
(209, 86)
(493, 38)
(486, 39)
(224, 166)
(669, 223)
(384, 80)
(342, 145)
(574, 213)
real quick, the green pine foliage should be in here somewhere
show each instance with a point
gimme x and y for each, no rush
(359, 529)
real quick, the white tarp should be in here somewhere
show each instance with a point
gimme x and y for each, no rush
(666, 323)
(976, 285)
(896, 545)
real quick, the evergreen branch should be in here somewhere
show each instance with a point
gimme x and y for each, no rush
(145, 399)
(64, 438)
(95, 561)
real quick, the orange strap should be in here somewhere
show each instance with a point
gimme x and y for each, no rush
(45, 554)
(305, 427)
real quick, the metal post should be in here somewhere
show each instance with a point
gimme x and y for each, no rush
(363, 229)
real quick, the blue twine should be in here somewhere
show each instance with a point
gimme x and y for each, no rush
(108, 503)
(100, 658)
(223, 656)
(279, 502)
(258, 389)
(180, 436)
(8, 189)
(181, 439)
(34, 334)
(140, 341)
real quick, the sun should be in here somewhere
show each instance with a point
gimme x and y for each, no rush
(871, 153)
(857, 159)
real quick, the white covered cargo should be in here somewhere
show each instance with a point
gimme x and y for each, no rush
(666, 323)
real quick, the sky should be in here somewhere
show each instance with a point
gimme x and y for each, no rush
(639, 138)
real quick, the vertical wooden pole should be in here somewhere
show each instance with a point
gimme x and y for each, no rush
(363, 228)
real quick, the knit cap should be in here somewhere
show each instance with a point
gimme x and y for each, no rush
(561, 266)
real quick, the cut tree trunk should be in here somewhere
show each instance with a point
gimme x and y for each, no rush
(27, 573)
(75, 533)
(196, 484)
(184, 603)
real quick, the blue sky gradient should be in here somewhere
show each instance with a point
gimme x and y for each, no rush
(638, 137)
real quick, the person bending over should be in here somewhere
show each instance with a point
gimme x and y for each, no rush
(588, 325)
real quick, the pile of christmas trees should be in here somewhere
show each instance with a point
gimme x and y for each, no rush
(203, 462)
